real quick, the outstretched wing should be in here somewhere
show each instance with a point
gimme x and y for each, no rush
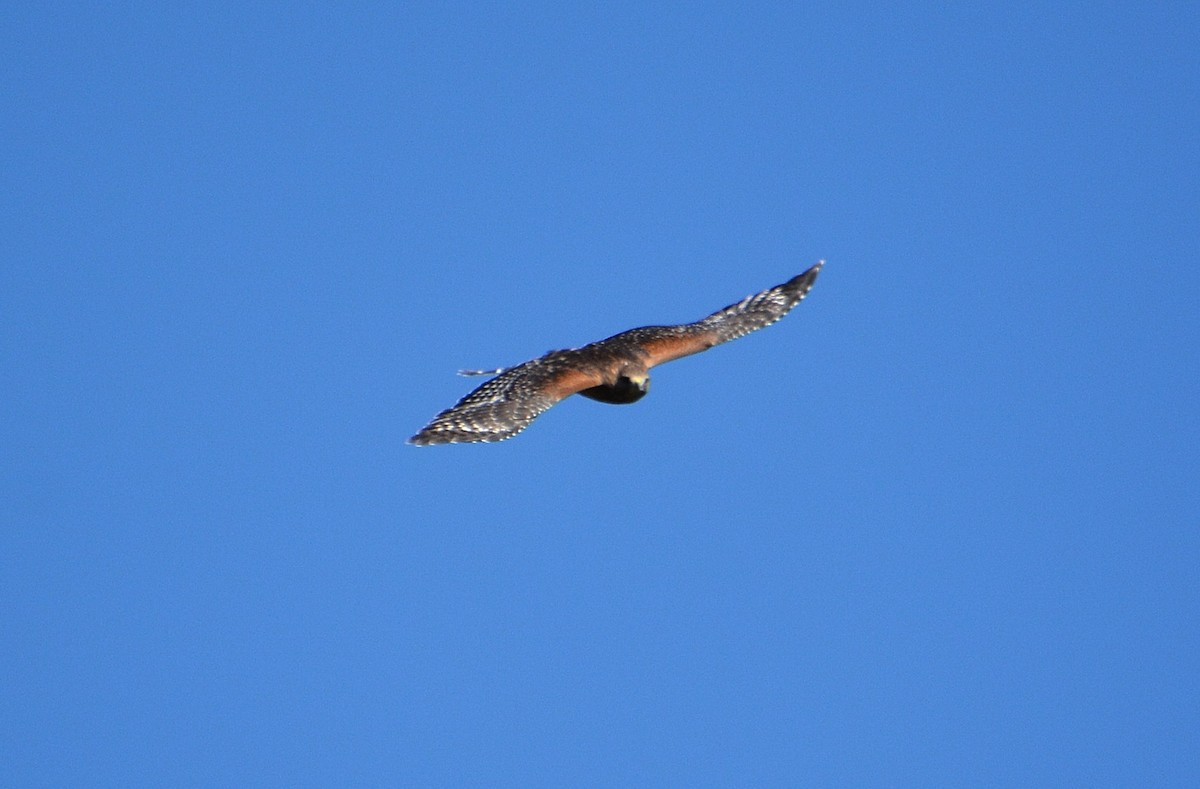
(666, 343)
(505, 405)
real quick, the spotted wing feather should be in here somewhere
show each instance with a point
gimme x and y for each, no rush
(508, 403)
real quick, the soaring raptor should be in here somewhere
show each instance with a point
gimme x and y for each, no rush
(615, 370)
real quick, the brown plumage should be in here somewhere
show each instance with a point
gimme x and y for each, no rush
(615, 370)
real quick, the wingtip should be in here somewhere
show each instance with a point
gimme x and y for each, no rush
(806, 279)
(422, 439)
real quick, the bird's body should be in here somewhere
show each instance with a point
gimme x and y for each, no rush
(614, 370)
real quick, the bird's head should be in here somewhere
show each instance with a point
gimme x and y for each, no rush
(628, 385)
(634, 379)
(631, 386)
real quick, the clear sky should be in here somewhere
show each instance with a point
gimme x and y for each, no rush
(939, 526)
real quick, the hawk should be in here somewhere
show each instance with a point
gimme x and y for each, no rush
(615, 370)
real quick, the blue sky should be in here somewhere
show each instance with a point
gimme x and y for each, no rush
(937, 527)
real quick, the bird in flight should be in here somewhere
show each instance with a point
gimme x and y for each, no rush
(615, 370)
